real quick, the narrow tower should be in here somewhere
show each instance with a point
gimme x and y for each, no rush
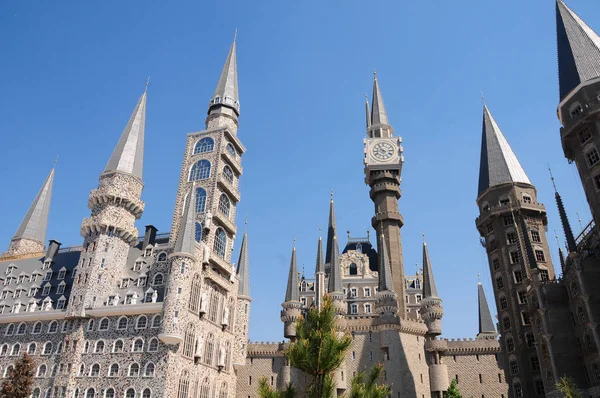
(510, 216)
(320, 289)
(579, 83)
(110, 230)
(383, 167)
(31, 235)
(487, 330)
(291, 305)
(243, 304)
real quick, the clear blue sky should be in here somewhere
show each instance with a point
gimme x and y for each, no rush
(72, 71)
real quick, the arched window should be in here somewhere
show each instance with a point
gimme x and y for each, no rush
(206, 144)
(223, 392)
(224, 205)
(200, 200)
(4, 349)
(41, 372)
(198, 232)
(37, 328)
(149, 370)
(214, 303)
(91, 324)
(99, 348)
(134, 370)
(156, 321)
(95, 370)
(7, 371)
(188, 341)
(574, 288)
(22, 328)
(122, 324)
(109, 393)
(162, 257)
(103, 325)
(194, 302)
(36, 393)
(138, 345)
(205, 389)
(118, 346)
(353, 269)
(580, 314)
(53, 327)
(31, 349)
(10, 330)
(114, 370)
(209, 349)
(200, 170)
(220, 244)
(16, 349)
(81, 370)
(153, 345)
(228, 174)
(231, 150)
(142, 322)
(91, 393)
(184, 385)
(158, 280)
(130, 393)
(48, 393)
(146, 393)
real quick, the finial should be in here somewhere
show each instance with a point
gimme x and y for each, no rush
(423, 235)
(482, 98)
(552, 178)
(366, 98)
(374, 74)
(56, 161)
(478, 278)
(579, 219)
(246, 225)
(368, 235)
(235, 35)
(556, 236)
(331, 194)
(294, 241)
(348, 232)
(147, 84)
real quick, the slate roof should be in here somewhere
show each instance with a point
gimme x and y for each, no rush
(292, 292)
(429, 289)
(578, 50)
(378, 113)
(243, 269)
(486, 324)
(498, 164)
(226, 92)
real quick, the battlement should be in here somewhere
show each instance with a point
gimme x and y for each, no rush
(266, 348)
(472, 346)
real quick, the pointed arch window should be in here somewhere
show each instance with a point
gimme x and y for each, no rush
(198, 232)
(220, 242)
(200, 170)
(224, 205)
(205, 389)
(184, 385)
(206, 144)
(200, 200)
(209, 349)
(146, 393)
(228, 174)
(188, 343)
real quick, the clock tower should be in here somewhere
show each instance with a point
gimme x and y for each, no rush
(383, 168)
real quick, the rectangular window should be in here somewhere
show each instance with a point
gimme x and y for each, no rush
(511, 238)
(530, 340)
(592, 157)
(48, 276)
(367, 292)
(539, 388)
(544, 274)
(539, 255)
(46, 290)
(508, 220)
(585, 134)
(535, 363)
(506, 323)
(504, 202)
(525, 318)
(535, 237)
(353, 309)
(522, 297)
(518, 391)
(503, 303)
(510, 345)
(60, 289)
(526, 198)
(303, 300)
(353, 292)
(518, 276)
(499, 282)
(514, 367)
(496, 264)
(490, 228)
(353, 354)
(367, 308)
(480, 378)
(125, 282)
(61, 274)
(515, 257)
(418, 298)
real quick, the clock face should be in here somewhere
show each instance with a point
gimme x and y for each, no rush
(383, 150)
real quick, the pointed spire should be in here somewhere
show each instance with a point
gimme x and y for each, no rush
(186, 238)
(578, 50)
(226, 93)
(498, 164)
(335, 280)
(331, 231)
(320, 266)
(429, 289)
(243, 269)
(128, 155)
(486, 324)
(34, 224)
(561, 257)
(571, 245)
(292, 293)
(368, 111)
(385, 272)
(378, 115)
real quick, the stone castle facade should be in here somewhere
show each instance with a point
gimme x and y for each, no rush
(166, 315)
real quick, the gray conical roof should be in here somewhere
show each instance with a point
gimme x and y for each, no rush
(331, 232)
(385, 271)
(320, 265)
(226, 92)
(292, 293)
(186, 238)
(429, 289)
(335, 278)
(499, 164)
(128, 155)
(35, 222)
(378, 114)
(243, 269)
(486, 324)
(578, 50)
(368, 112)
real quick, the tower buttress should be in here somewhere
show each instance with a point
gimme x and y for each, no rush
(320, 288)
(291, 306)
(110, 230)
(383, 169)
(242, 316)
(431, 305)
(31, 234)
(487, 330)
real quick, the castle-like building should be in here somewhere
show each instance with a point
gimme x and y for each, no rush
(166, 315)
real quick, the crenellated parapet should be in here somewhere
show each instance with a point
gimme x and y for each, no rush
(472, 346)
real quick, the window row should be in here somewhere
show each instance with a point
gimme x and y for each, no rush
(33, 290)
(118, 346)
(184, 389)
(108, 393)
(115, 370)
(141, 322)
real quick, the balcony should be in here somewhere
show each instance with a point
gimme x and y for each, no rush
(516, 206)
(233, 161)
(225, 222)
(214, 273)
(228, 187)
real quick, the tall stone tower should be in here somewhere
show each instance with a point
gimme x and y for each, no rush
(110, 230)
(512, 227)
(579, 83)
(31, 234)
(383, 167)
(291, 306)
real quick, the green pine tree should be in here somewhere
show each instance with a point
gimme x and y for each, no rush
(319, 350)
(453, 391)
(365, 386)
(19, 382)
(266, 391)
(567, 387)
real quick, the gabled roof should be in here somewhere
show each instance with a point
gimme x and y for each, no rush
(578, 50)
(498, 164)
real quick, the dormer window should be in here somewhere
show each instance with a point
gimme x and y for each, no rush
(359, 247)
(162, 257)
(128, 299)
(61, 288)
(148, 252)
(353, 269)
(60, 304)
(137, 266)
(417, 284)
(32, 291)
(21, 279)
(33, 278)
(61, 274)
(148, 298)
(47, 264)
(5, 294)
(142, 281)
(124, 282)
(575, 110)
(46, 290)
(48, 276)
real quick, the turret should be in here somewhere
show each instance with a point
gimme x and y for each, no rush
(320, 288)
(31, 234)
(487, 330)
(291, 306)
(387, 300)
(432, 311)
